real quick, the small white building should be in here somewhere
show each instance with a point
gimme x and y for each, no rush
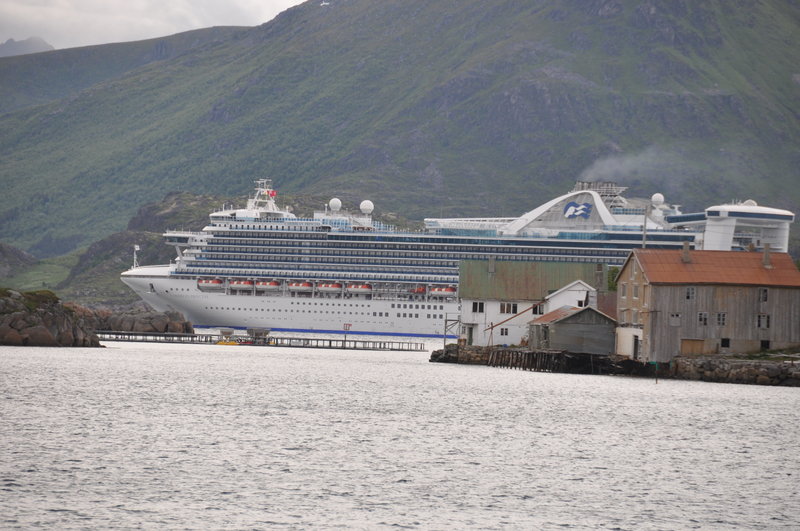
(499, 298)
(577, 294)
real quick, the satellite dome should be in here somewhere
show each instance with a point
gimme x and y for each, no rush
(366, 206)
(750, 202)
(335, 204)
(657, 199)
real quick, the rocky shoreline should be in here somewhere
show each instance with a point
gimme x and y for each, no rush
(744, 371)
(778, 372)
(40, 319)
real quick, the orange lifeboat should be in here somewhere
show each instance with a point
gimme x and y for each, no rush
(267, 285)
(359, 288)
(241, 284)
(209, 283)
(330, 287)
(443, 291)
(418, 290)
(301, 286)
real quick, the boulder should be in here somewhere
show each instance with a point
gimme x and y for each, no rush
(39, 336)
(9, 336)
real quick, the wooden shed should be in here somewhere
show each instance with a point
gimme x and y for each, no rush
(586, 330)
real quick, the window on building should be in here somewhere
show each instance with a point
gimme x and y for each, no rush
(763, 320)
(702, 318)
(691, 293)
(635, 317)
(674, 319)
(477, 307)
(508, 307)
(763, 294)
(623, 290)
(765, 344)
(636, 291)
(538, 309)
(725, 342)
(722, 318)
(504, 331)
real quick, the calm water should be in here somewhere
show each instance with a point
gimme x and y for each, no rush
(198, 437)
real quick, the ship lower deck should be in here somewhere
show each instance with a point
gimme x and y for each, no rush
(295, 312)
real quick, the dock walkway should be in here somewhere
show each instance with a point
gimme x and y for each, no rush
(270, 341)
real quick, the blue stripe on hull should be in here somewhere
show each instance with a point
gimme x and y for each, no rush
(340, 332)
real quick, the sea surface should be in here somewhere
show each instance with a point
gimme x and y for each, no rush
(147, 436)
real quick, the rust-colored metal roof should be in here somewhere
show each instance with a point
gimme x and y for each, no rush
(556, 315)
(663, 266)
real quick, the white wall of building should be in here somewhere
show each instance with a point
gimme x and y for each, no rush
(489, 322)
(626, 337)
(573, 294)
(478, 316)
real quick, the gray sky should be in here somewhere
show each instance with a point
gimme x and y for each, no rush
(70, 23)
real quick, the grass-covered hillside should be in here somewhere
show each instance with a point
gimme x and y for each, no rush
(33, 80)
(429, 108)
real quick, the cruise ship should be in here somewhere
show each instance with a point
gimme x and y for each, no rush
(341, 272)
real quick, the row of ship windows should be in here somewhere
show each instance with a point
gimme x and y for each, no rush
(327, 264)
(331, 259)
(314, 267)
(391, 250)
(394, 305)
(303, 303)
(418, 306)
(325, 250)
(326, 260)
(385, 241)
(374, 314)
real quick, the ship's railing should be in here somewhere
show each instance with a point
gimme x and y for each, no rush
(175, 232)
(628, 211)
(294, 273)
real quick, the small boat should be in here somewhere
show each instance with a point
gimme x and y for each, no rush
(267, 285)
(241, 284)
(300, 286)
(227, 342)
(330, 287)
(419, 290)
(359, 288)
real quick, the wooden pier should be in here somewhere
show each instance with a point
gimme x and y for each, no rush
(268, 341)
(551, 361)
(526, 360)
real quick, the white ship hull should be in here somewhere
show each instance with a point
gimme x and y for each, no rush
(281, 312)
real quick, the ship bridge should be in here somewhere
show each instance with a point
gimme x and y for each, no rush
(740, 225)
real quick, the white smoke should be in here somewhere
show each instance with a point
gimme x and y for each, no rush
(654, 163)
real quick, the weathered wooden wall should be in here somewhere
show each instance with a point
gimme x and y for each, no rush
(741, 305)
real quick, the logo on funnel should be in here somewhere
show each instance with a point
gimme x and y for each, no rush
(574, 210)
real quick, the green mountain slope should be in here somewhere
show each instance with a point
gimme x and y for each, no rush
(432, 108)
(34, 80)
